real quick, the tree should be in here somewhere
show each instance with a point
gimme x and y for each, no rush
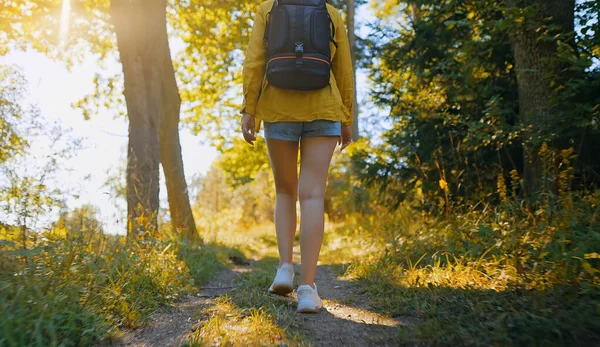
(137, 25)
(82, 220)
(154, 105)
(538, 71)
(350, 19)
(450, 75)
(444, 70)
(151, 92)
(242, 163)
(28, 187)
(215, 194)
(12, 113)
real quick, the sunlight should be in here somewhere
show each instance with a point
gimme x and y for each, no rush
(64, 22)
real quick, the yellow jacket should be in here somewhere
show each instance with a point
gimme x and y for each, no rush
(335, 103)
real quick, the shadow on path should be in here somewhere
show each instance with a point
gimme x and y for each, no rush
(347, 319)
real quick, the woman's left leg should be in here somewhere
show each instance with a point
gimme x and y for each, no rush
(316, 153)
(283, 156)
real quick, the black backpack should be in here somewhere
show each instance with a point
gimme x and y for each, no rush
(298, 55)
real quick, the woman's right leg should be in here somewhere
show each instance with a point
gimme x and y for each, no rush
(283, 156)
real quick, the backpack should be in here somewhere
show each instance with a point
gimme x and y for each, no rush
(298, 54)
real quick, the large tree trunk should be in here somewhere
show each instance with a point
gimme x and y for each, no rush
(350, 14)
(536, 67)
(182, 218)
(136, 23)
(153, 105)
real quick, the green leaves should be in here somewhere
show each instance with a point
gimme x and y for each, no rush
(454, 101)
(448, 77)
(12, 113)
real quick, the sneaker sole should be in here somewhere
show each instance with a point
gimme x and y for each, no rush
(309, 310)
(281, 289)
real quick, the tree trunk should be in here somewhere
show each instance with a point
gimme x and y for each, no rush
(536, 67)
(415, 13)
(182, 218)
(350, 14)
(153, 105)
(137, 23)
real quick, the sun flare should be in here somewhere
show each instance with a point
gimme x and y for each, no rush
(64, 21)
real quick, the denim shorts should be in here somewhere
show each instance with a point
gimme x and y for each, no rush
(293, 131)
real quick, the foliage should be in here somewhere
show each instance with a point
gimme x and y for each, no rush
(485, 275)
(209, 67)
(82, 218)
(78, 287)
(29, 193)
(433, 228)
(14, 116)
(214, 195)
(446, 72)
(37, 24)
(345, 193)
(215, 35)
(210, 37)
(241, 163)
(239, 184)
(447, 76)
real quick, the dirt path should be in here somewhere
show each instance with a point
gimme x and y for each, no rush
(346, 320)
(169, 327)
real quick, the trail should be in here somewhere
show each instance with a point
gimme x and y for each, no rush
(170, 326)
(346, 320)
(343, 324)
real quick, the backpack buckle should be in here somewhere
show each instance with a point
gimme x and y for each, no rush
(299, 53)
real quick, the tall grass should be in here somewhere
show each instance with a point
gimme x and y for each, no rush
(77, 289)
(503, 275)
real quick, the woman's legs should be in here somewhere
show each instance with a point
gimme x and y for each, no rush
(284, 163)
(316, 153)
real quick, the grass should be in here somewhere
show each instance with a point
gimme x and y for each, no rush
(249, 315)
(502, 276)
(497, 277)
(79, 289)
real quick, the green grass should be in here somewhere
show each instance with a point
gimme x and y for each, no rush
(497, 277)
(449, 306)
(482, 276)
(79, 291)
(249, 315)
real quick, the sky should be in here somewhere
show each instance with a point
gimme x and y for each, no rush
(54, 89)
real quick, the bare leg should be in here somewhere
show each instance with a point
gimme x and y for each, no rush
(316, 153)
(284, 162)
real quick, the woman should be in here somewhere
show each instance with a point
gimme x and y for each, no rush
(314, 121)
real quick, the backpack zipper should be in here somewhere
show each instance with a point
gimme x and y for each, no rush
(294, 57)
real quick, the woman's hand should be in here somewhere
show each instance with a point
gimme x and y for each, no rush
(346, 138)
(248, 128)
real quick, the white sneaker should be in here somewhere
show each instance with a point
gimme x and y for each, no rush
(284, 280)
(308, 299)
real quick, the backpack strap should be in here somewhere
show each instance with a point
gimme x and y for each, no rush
(266, 35)
(332, 31)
